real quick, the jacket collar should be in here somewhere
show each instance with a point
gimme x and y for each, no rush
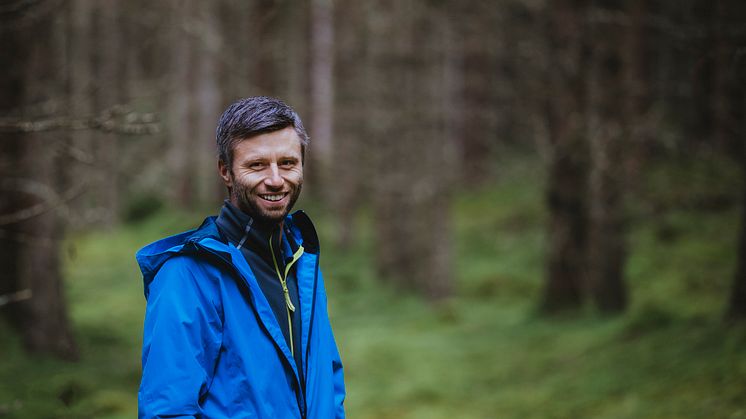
(151, 257)
(244, 231)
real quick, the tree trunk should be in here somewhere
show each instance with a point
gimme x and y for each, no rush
(411, 194)
(265, 18)
(731, 117)
(322, 87)
(352, 70)
(608, 136)
(477, 114)
(81, 88)
(736, 310)
(182, 116)
(206, 105)
(32, 168)
(108, 72)
(12, 150)
(568, 168)
(237, 72)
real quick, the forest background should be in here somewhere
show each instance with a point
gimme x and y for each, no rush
(528, 209)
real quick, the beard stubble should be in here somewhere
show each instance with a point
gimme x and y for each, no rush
(243, 198)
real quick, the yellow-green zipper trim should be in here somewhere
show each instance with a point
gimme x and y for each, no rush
(283, 281)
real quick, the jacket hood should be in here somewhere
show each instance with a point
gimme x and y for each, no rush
(152, 257)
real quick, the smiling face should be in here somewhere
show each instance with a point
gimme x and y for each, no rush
(266, 177)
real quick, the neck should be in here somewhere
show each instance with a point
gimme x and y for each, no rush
(259, 222)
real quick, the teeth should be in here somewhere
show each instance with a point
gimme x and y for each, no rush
(272, 197)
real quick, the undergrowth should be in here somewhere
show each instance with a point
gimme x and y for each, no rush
(483, 353)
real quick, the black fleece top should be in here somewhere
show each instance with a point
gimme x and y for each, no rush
(240, 229)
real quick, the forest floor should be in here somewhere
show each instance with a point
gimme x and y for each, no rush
(484, 353)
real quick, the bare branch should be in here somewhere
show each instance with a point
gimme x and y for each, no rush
(15, 296)
(80, 155)
(49, 197)
(18, 14)
(30, 239)
(680, 30)
(117, 119)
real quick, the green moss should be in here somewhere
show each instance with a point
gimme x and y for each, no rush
(482, 353)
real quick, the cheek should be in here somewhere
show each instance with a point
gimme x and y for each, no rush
(295, 176)
(248, 181)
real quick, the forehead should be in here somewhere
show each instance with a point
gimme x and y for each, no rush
(285, 142)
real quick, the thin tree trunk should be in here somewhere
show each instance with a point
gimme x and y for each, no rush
(182, 118)
(736, 310)
(608, 135)
(206, 105)
(265, 20)
(237, 81)
(410, 199)
(568, 167)
(479, 67)
(108, 92)
(11, 151)
(730, 116)
(81, 104)
(322, 86)
(352, 71)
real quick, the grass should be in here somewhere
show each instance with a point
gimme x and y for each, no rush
(484, 353)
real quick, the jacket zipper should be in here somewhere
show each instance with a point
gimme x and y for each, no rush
(290, 308)
(302, 407)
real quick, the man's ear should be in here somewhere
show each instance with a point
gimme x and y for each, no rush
(225, 173)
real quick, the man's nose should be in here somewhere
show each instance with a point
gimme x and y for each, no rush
(274, 180)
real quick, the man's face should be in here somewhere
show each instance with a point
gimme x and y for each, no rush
(267, 174)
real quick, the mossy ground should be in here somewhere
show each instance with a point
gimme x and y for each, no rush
(484, 353)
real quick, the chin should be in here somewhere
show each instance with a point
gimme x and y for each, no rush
(253, 206)
(276, 216)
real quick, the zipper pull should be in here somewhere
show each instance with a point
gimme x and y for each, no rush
(289, 303)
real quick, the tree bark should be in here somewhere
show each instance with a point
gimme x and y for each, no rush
(410, 198)
(206, 105)
(731, 118)
(736, 310)
(567, 184)
(109, 91)
(352, 70)
(265, 21)
(32, 168)
(181, 119)
(477, 115)
(608, 135)
(81, 88)
(322, 86)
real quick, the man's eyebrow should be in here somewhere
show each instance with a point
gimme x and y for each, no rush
(254, 159)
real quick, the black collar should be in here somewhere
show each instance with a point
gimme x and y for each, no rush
(244, 231)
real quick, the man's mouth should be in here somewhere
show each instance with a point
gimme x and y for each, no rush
(272, 197)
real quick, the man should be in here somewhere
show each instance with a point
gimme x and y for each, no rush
(236, 323)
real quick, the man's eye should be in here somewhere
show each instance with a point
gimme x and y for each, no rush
(256, 165)
(287, 163)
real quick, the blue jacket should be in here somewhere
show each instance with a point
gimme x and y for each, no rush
(212, 347)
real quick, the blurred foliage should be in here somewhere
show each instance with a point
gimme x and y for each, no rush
(482, 353)
(141, 206)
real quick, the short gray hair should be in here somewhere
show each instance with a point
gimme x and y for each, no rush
(253, 116)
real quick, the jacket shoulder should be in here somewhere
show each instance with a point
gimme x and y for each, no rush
(187, 271)
(304, 231)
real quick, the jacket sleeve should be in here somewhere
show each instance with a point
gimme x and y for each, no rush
(339, 384)
(337, 370)
(181, 340)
